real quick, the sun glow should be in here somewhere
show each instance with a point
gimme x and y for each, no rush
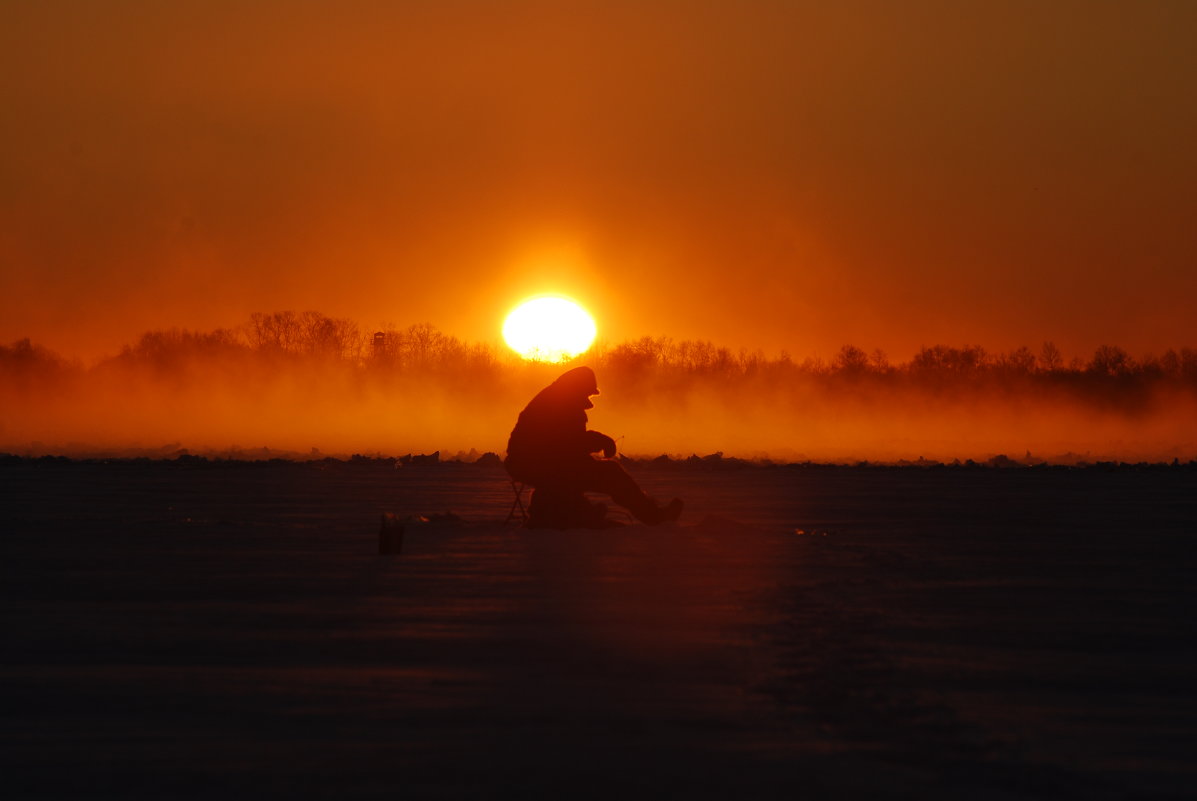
(549, 329)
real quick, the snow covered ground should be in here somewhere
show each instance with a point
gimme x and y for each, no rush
(194, 629)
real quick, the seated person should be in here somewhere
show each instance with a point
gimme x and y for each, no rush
(551, 449)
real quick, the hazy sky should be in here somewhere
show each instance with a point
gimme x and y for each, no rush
(764, 174)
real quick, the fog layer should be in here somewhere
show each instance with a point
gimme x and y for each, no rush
(305, 384)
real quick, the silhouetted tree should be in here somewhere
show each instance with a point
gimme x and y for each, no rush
(1050, 358)
(1111, 360)
(279, 332)
(174, 349)
(1170, 363)
(852, 360)
(1019, 361)
(23, 361)
(638, 355)
(695, 356)
(23, 353)
(328, 337)
(944, 359)
(1188, 364)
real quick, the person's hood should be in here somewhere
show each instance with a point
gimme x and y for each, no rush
(578, 381)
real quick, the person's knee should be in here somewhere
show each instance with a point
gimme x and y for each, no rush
(610, 477)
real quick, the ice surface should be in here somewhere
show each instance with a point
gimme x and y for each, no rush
(202, 629)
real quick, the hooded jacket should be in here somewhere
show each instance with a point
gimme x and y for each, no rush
(550, 437)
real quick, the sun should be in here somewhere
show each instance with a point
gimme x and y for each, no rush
(549, 329)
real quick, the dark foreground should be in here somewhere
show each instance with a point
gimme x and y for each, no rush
(192, 630)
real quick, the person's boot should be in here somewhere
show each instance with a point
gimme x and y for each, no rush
(671, 511)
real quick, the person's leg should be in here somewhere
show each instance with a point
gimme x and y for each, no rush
(608, 475)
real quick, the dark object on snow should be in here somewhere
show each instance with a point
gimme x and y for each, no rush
(421, 458)
(489, 459)
(390, 534)
(393, 529)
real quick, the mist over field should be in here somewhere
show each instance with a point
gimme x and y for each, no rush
(308, 385)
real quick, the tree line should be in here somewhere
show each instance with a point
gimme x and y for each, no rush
(286, 337)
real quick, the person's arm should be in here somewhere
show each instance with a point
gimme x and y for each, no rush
(596, 442)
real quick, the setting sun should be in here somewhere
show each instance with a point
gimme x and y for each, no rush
(551, 329)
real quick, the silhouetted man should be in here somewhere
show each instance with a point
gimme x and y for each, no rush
(550, 448)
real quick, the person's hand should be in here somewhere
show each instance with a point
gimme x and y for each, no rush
(597, 441)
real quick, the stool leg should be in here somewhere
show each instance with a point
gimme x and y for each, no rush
(517, 511)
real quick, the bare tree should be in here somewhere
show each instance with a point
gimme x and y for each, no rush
(329, 337)
(279, 331)
(1050, 358)
(1111, 360)
(852, 359)
(1170, 363)
(1018, 361)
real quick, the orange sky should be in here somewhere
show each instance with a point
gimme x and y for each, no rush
(781, 175)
